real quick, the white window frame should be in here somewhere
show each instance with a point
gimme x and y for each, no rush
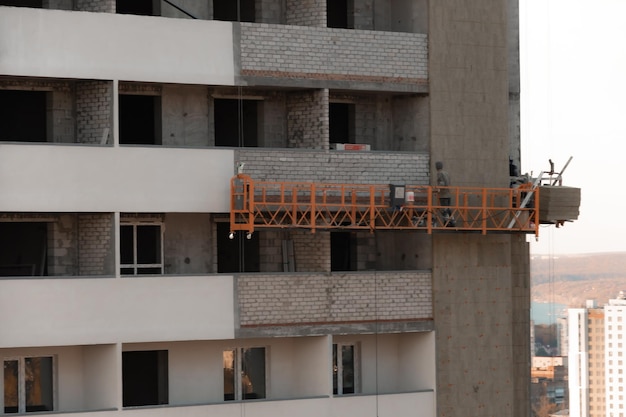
(238, 371)
(135, 266)
(356, 363)
(21, 378)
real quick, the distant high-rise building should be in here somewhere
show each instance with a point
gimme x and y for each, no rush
(615, 337)
(586, 342)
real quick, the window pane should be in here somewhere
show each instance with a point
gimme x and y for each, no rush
(10, 386)
(253, 373)
(335, 369)
(149, 271)
(229, 375)
(148, 244)
(126, 245)
(347, 362)
(38, 375)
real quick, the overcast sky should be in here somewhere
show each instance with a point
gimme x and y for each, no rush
(573, 103)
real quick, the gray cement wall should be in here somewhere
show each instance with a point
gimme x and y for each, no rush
(469, 93)
(185, 115)
(188, 244)
(481, 339)
(480, 299)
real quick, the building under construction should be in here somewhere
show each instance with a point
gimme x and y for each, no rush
(225, 208)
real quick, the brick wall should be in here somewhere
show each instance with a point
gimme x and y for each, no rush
(273, 116)
(312, 250)
(95, 244)
(62, 246)
(322, 298)
(307, 119)
(305, 12)
(105, 6)
(352, 167)
(333, 54)
(60, 108)
(93, 110)
(57, 4)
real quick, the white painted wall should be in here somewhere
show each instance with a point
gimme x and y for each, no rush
(38, 42)
(74, 178)
(108, 310)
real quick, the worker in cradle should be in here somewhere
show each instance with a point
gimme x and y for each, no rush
(445, 199)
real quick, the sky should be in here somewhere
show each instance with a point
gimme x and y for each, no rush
(573, 104)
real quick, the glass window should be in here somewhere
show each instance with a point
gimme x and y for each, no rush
(28, 384)
(345, 369)
(141, 249)
(244, 373)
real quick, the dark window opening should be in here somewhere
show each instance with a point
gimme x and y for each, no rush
(239, 254)
(341, 123)
(236, 122)
(23, 249)
(145, 378)
(23, 116)
(140, 120)
(140, 249)
(342, 251)
(138, 7)
(339, 14)
(37, 4)
(234, 10)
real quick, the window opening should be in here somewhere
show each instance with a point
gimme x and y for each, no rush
(236, 122)
(341, 123)
(343, 251)
(138, 7)
(145, 378)
(23, 117)
(28, 384)
(244, 374)
(141, 249)
(23, 249)
(339, 14)
(37, 4)
(140, 120)
(346, 378)
(239, 254)
(234, 11)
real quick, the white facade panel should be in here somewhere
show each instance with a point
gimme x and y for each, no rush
(52, 43)
(49, 178)
(108, 310)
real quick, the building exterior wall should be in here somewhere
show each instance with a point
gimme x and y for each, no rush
(307, 119)
(96, 247)
(94, 111)
(307, 13)
(426, 316)
(321, 299)
(335, 167)
(333, 54)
